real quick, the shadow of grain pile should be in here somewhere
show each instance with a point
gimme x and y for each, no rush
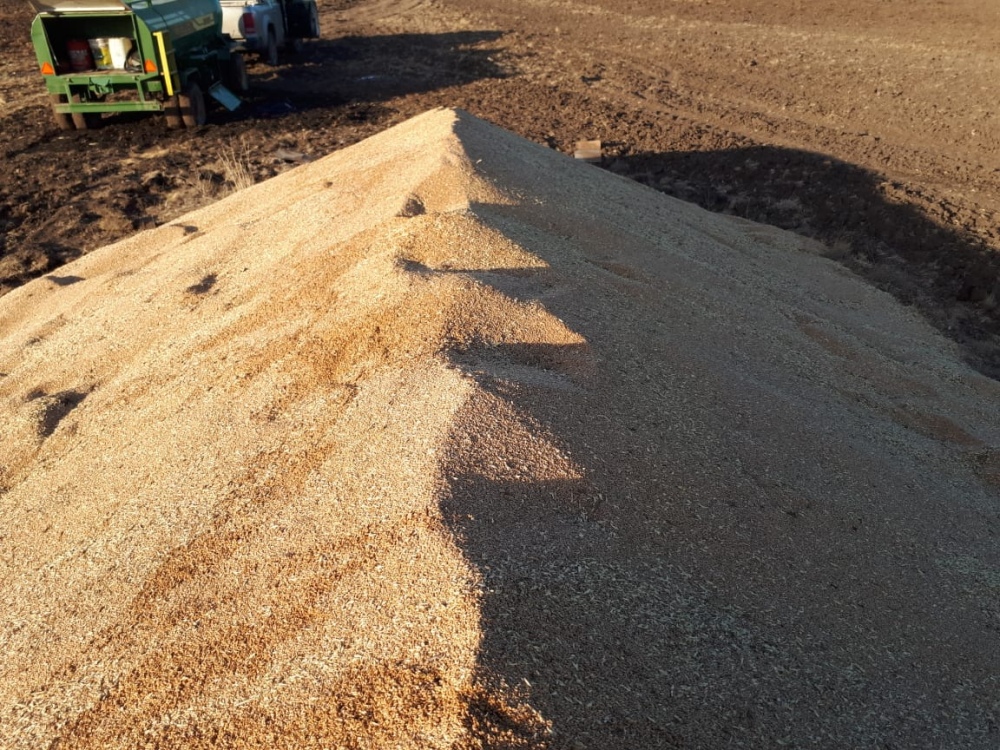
(449, 441)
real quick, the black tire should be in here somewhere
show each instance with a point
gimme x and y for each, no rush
(270, 53)
(192, 103)
(62, 120)
(82, 120)
(237, 79)
(313, 22)
(172, 113)
(294, 45)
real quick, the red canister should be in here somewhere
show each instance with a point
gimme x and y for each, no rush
(80, 58)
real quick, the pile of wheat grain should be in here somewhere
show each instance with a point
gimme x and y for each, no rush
(447, 440)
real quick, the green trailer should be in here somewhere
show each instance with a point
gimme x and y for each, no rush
(164, 56)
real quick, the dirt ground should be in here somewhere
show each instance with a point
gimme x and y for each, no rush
(871, 126)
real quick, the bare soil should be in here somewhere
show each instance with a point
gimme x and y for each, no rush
(869, 126)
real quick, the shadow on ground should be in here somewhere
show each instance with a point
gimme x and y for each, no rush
(946, 272)
(599, 604)
(356, 69)
(681, 588)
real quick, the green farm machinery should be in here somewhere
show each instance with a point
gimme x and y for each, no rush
(166, 56)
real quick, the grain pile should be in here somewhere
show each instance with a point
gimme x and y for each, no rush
(447, 440)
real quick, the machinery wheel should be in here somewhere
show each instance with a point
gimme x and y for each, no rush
(192, 103)
(82, 120)
(270, 54)
(236, 74)
(172, 113)
(63, 121)
(313, 22)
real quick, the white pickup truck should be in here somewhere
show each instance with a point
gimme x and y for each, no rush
(267, 26)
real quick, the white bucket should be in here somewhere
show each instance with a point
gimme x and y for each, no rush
(102, 54)
(119, 47)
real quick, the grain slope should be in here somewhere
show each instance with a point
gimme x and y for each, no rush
(448, 440)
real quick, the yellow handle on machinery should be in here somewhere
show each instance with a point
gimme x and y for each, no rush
(168, 77)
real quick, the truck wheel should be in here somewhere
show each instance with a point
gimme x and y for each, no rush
(236, 74)
(63, 121)
(82, 120)
(271, 52)
(192, 103)
(172, 113)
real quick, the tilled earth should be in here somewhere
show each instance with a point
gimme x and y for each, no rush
(871, 127)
